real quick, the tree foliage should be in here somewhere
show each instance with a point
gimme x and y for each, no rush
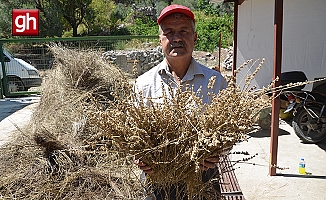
(209, 28)
(51, 22)
(119, 17)
(100, 18)
(6, 7)
(148, 28)
(218, 9)
(74, 11)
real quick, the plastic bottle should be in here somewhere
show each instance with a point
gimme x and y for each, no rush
(302, 166)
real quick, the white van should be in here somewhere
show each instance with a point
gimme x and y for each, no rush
(20, 75)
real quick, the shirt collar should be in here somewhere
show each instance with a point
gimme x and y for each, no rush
(194, 69)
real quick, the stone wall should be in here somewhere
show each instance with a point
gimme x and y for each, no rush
(148, 11)
(144, 59)
(147, 59)
(228, 62)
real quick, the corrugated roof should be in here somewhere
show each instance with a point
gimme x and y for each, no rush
(226, 1)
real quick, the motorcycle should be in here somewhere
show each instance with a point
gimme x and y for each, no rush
(308, 109)
(305, 109)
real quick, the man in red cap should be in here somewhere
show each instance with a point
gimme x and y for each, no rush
(178, 38)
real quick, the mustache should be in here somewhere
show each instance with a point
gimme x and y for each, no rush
(177, 44)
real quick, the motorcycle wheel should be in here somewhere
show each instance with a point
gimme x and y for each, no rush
(307, 128)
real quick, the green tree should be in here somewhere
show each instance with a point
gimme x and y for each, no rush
(51, 21)
(98, 20)
(144, 26)
(224, 8)
(5, 21)
(169, 2)
(126, 2)
(74, 11)
(218, 9)
(209, 28)
(6, 7)
(190, 4)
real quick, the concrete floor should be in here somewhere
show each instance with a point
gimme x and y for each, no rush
(288, 184)
(15, 113)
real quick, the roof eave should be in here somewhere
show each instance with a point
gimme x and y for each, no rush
(238, 1)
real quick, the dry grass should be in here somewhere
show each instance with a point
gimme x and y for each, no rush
(175, 133)
(90, 123)
(52, 159)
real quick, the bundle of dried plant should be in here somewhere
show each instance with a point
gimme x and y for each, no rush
(28, 173)
(52, 160)
(90, 123)
(175, 133)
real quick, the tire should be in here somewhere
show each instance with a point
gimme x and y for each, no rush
(307, 128)
(15, 84)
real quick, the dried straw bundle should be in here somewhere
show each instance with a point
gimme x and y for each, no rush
(78, 79)
(88, 124)
(174, 135)
(26, 173)
(52, 160)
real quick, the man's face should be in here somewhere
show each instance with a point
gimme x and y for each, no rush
(177, 36)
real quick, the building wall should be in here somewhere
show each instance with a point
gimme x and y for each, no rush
(304, 38)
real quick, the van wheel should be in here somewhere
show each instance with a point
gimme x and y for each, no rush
(15, 84)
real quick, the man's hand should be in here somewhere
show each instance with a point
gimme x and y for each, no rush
(209, 163)
(143, 166)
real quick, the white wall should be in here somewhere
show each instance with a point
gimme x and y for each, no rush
(304, 37)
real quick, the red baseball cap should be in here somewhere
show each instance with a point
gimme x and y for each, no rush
(175, 8)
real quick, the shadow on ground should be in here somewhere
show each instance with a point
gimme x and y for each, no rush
(260, 133)
(302, 176)
(267, 133)
(322, 144)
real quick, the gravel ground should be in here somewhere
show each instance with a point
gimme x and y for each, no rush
(211, 60)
